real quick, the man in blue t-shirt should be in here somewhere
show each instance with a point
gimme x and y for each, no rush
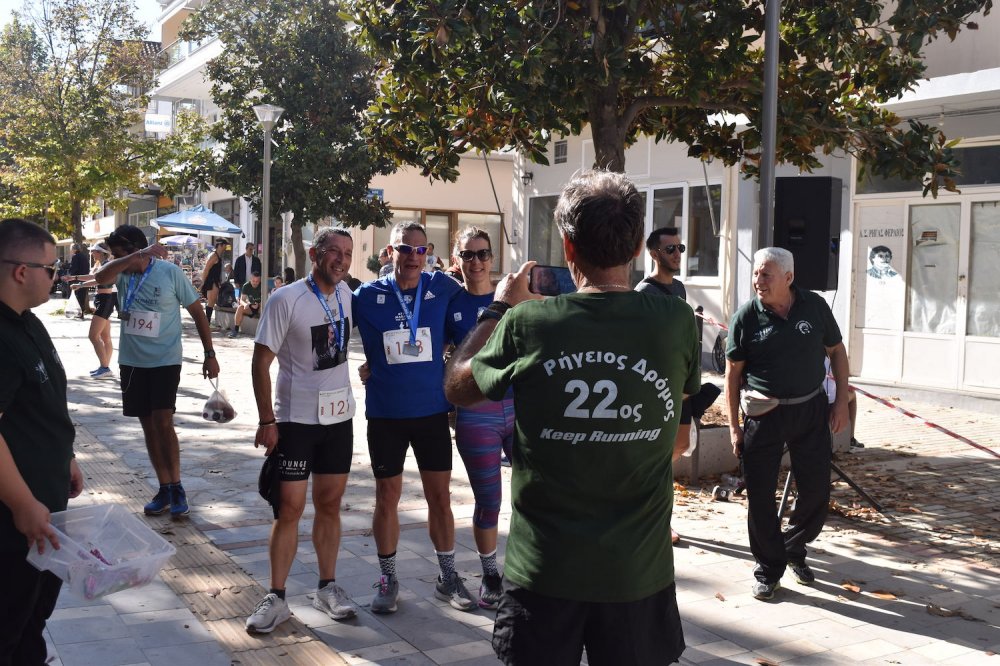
(401, 318)
(149, 353)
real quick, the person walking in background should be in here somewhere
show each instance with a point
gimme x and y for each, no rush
(79, 271)
(105, 302)
(150, 353)
(308, 427)
(776, 347)
(484, 431)
(211, 277)
(589, 562)
(38, 471)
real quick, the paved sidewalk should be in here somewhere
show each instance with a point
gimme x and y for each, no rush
(918, 586)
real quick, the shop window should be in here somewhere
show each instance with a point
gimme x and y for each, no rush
(979, 165)
(984, 271)
(932, 284)
(560, 152)
(544, 242)
(702, 231)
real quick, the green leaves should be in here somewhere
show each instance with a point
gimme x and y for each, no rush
(514, 73)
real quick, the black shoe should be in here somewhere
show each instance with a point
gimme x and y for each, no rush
(855, 444)
(803, 574)
(765, 591)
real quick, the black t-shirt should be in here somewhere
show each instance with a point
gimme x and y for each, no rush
(675, 288)
(35, 422)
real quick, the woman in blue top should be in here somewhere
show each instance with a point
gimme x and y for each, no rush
(486, 430)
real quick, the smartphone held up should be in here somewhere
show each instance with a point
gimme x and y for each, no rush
(550, 280)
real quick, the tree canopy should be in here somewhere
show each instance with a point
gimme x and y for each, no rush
(455, 77)
(294, 54)
(72, 81)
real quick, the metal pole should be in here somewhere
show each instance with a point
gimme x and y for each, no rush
(265, 213)
(769, 122)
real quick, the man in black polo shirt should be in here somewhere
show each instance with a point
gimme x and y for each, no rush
(38, 473)
(777, 344)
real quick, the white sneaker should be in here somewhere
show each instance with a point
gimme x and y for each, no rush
(269, 613)
(333, 601)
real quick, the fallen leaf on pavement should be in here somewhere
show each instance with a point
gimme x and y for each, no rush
(851, 586)
(883, 594)
(764, 662)
(720, 596)
(213, 592)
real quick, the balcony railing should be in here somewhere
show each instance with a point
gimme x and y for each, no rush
(178, 52)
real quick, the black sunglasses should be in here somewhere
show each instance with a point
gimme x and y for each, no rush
(403, 248)
(669, 249)
(51, 268)
(482, 255)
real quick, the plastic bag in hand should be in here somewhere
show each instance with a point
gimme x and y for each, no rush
(218, 408)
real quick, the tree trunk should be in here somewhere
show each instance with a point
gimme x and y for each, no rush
(609, 139)
(76, 220)
(298, 250)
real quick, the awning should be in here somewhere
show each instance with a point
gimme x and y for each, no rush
(99, 229)
(197, 220)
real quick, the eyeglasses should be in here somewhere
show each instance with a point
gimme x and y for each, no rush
(669, 249)
(482, 255)
(51, 268)
(403, 248)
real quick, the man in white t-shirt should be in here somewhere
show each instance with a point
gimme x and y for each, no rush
(306, 326)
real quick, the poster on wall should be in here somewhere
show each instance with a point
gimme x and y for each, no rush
(881, 252)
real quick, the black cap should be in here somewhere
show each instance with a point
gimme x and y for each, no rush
(127, 235)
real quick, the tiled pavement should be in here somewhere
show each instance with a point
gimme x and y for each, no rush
(919, 586)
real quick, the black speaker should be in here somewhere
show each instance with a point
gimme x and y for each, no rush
(807, 223)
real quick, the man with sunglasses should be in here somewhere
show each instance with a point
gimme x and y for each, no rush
(38, 473)
(666, 250)
(149, 352)
(401, 318)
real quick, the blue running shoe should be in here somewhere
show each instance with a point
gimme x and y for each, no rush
(178, 501)
(101, 373)
(158, 504)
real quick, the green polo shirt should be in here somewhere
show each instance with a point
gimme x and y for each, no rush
(35, 422)
(251, 292)
(783, 357)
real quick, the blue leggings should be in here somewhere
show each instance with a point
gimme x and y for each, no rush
(481, 432)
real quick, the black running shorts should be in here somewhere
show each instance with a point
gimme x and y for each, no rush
(429, 436)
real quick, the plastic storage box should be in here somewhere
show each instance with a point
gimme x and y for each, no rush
(102, 549)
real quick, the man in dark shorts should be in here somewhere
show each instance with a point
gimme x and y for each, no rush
(211, 277)
(777, 345)
(401, 318)
(149, 351)
(308, 428)
(38, 472)
(589, 563)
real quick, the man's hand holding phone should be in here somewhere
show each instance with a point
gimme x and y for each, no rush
(513, 287)
(551, 280)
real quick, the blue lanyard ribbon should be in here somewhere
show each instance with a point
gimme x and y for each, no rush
(339, 329)
(412, 318)
(133, 288)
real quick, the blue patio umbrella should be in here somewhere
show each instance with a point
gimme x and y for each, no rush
(181, 241)
(197, 220)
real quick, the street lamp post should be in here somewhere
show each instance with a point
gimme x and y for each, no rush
(286, 230)
(268, 115)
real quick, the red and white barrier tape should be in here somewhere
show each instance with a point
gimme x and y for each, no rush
(888, 404)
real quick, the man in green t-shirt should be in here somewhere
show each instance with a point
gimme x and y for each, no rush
(777, 345)
(589, 561)
(249, 303)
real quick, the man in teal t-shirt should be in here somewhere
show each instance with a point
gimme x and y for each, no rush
(589, 560)
(152, 292)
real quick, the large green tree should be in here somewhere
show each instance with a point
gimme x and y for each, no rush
(72, 78)
(456, 77)
(294, 54)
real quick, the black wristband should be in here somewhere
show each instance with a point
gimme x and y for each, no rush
(495, 310)
(209, 353)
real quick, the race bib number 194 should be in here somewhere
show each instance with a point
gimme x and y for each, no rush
(145, 324)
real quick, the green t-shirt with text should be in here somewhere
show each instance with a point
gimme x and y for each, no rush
(598, 382)
(251, 292)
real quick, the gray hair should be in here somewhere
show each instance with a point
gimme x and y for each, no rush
(397, 231)
(601, 214)
(779, 256)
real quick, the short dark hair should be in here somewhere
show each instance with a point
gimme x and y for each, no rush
(17, 234)
(397, 231)
(255, 274)
(128, 237)
(220, 241)
(601, 214)
(326, 232)
(653, 239)
(879, 249)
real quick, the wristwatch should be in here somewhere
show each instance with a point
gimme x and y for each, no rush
(495, 310)
(209, 353)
